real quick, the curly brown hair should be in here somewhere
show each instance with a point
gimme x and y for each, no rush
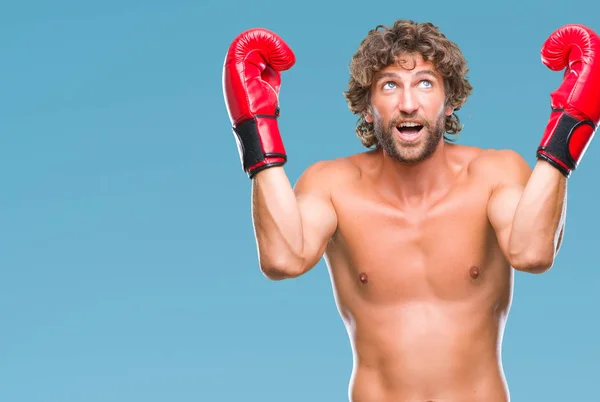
(381, 48)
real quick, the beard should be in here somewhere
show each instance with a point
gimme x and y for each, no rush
(409, 153)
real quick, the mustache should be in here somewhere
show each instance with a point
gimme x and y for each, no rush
(403, 116)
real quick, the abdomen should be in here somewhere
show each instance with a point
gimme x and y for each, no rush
(426, 351)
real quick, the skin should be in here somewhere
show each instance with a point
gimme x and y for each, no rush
(421, 244)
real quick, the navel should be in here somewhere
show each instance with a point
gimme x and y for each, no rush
(474, 272)
(363, 278)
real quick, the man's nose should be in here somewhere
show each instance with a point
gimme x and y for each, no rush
(408, 102)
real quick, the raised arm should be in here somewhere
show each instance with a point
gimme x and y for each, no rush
(291, 228)
(528, 212)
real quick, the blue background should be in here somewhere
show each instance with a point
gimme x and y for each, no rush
(128, 267)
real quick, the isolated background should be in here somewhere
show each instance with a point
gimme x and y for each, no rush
(128, 268)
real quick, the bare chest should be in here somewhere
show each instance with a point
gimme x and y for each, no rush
(447, 251)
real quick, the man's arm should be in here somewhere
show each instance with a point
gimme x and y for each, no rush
(292, 226)
(527, 209)
(529, 214)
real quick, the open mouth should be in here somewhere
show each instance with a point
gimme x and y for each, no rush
(409, 133)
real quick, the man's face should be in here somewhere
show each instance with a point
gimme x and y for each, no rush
(408, 112)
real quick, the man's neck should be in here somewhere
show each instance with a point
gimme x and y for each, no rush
(416, 184)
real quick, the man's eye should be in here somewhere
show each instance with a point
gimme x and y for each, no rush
(426, 83)
(389, 85)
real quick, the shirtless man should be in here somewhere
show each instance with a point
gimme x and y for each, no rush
(420, 235)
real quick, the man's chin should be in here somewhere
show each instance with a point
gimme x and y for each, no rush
(412, 154)
(409, 158)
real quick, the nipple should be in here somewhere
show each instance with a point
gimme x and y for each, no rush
(363, 277)
(474, 272)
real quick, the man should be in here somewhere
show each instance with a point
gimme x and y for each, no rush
(420, 234)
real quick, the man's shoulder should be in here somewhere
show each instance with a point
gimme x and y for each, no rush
(329, 173)
(337, 169)
(494, 158)
(500, 164)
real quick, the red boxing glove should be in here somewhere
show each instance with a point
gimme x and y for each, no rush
(251, 82)
(576, 103)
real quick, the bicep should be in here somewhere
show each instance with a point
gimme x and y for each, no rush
(319, 223)
(501, 212)
(510, 174)
(318, 216)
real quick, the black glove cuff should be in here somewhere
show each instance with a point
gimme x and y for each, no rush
(249, 145)
(557, 148)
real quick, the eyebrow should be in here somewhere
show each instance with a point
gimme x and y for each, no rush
(388, 74)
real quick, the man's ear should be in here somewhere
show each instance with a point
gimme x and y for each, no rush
(369, 115)
(449, 110)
